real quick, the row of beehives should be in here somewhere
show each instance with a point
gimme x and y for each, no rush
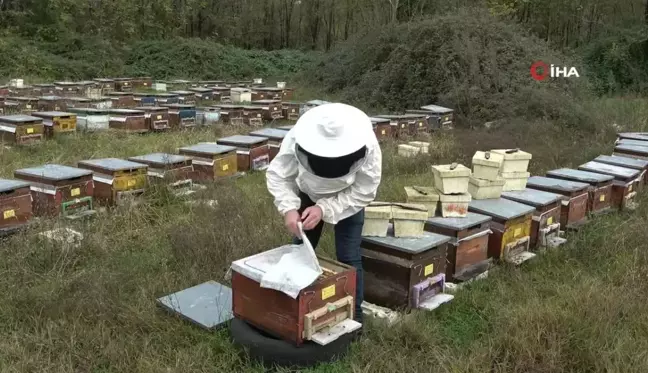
(426, 119)
(410, 249)
(58, 190)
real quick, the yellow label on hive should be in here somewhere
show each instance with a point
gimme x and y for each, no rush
(428, 270)
(328, 292)
(30, 130)
(550, 220)
(9, 214)
(28, 106)
(75, 192)
(420, 124)
(402, 126)
(517, 232)
(225, 167)
(602, 198)
(131, 182)
(383, 132)
(159, 117)
(145, 83)
(630, 188)
(293, 110)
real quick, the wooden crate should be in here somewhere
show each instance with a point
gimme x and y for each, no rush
(212, 161)
(156, 117)
(21, 129)
(626, 181)
(271, 109)
(381, 127)
(511, 227)
(600, 190)
(546, 218)
(468, 247)
(116, 179)
(57, 122)
(252, 151)
(282, 316)
(59, 190)
(181, 116)
(395, 267)
(128, 120)
(275, 138)
(15, 205)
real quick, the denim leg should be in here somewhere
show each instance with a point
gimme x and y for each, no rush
(348, 236)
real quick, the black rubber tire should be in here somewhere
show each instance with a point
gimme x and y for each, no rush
(270, 351)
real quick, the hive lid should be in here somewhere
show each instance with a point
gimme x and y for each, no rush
(379, 210)
(52, 114)
(272, 133)
(417, 245)
(632, 142)
(421, 194)
(643, 150)
(113, 164)
(451, 170)
(409, 211)
(489, 159)
(408, 147)
(557, 184)
(455, 198)
(117, 93)
(633, 135)
(242, 140)
(255, 266)
(437, 109)
(470, 220)
(104, 80)
(532, 197)
(160, 158)
(180, 106)
(182, 93)
(402, 116)
(209, 148)
(152, 108)
(50, 98)
(578, 175)
(617, 160)
(316, 102)
(88, 111)
(53, 172)
(419, 144)
(513, 154)
(127, 112)
(200, 89)
(208, 305)
(500, 208)
(286, 128)
(266, 102)
(375, 120)
(19, 118)
(7, 185)
(515, 175)
(608, 169)
(486, 183)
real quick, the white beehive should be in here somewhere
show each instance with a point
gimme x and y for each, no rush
(377, 217)
(405, 150)
(451, 178)
(515, 160)
(515, 180)
(485, 189)
(409, 219)
(427, 196)
(454, 205)
(487, 165)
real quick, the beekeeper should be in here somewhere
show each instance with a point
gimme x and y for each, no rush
(328, 170)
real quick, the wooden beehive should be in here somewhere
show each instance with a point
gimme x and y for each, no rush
(128, 120)
(287, 94)
(77, 102)
(185, 97)
(51, 103)
(209, 83)
(44, 89)
(600, 187)
(221, 94)
(143, 82)
(627, 162)
(642, 136)
(21, 129)
(202, 94)
(406, 124)
(546, 218)
(275, 137)
(575, 202)
(67, 89)
(106, 85)
(290, 110)
(175, 170)
(381, 127)
(231, 113)
(59, 190)
(122, 100)
(57, 122)
(252, 151)
(165, 98)
(267, 93)
(143, 99)
(511, 227)
(624, 185)
(271, 109)
(25, 104)
(124, 84)
(468, 246)
(212, 161)
(90, 119)
(282, 316)
(632, 151)
(445, 115)
(156, 117)
(178, 84)
(181, 116)
(15, 205)
(393, 267)
(253, 115)
(433, 120)
(9, 108)
(116, 179)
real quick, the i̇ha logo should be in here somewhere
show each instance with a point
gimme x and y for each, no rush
(541, 71)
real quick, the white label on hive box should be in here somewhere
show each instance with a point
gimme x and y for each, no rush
(402, 125)
(383, 132)
(159, 117)
(328, 292)
(420, 124)
(602, 198)
(11, 213)
(630, 188)
(28, 106)
(428, 270)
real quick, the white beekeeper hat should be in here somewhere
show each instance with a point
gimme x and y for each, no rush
(333, 130)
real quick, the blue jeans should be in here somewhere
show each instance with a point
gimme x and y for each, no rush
(348, 236)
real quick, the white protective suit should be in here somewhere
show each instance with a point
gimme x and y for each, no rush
(339, 198)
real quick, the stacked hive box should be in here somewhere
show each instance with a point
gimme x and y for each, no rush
(451, 181)
(514, 168)
(485, 181)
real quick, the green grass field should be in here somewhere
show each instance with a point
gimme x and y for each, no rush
(580, 308)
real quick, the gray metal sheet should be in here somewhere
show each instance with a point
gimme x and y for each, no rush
(608, 169)
(583, 176)
(558, 184)
(51, 114)
(242, 139)
(19, 118)
(161, 158)
(286, 128)
(409, 245)
(266, 101)
(376, 120)
(54, 172)
(536, 198)
(472, 219)
(643, 150)
(633, 135)
(500, 208)
(270, 133)
(182, 93)
(632, 142)
(113, 164)
(437, 109)
(617, 160)
(7, 185)
(208, 305)
(127, 112)
(89, 111)
(211, 148)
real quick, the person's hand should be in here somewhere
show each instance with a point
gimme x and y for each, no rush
(311, 217)
(291, 219)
